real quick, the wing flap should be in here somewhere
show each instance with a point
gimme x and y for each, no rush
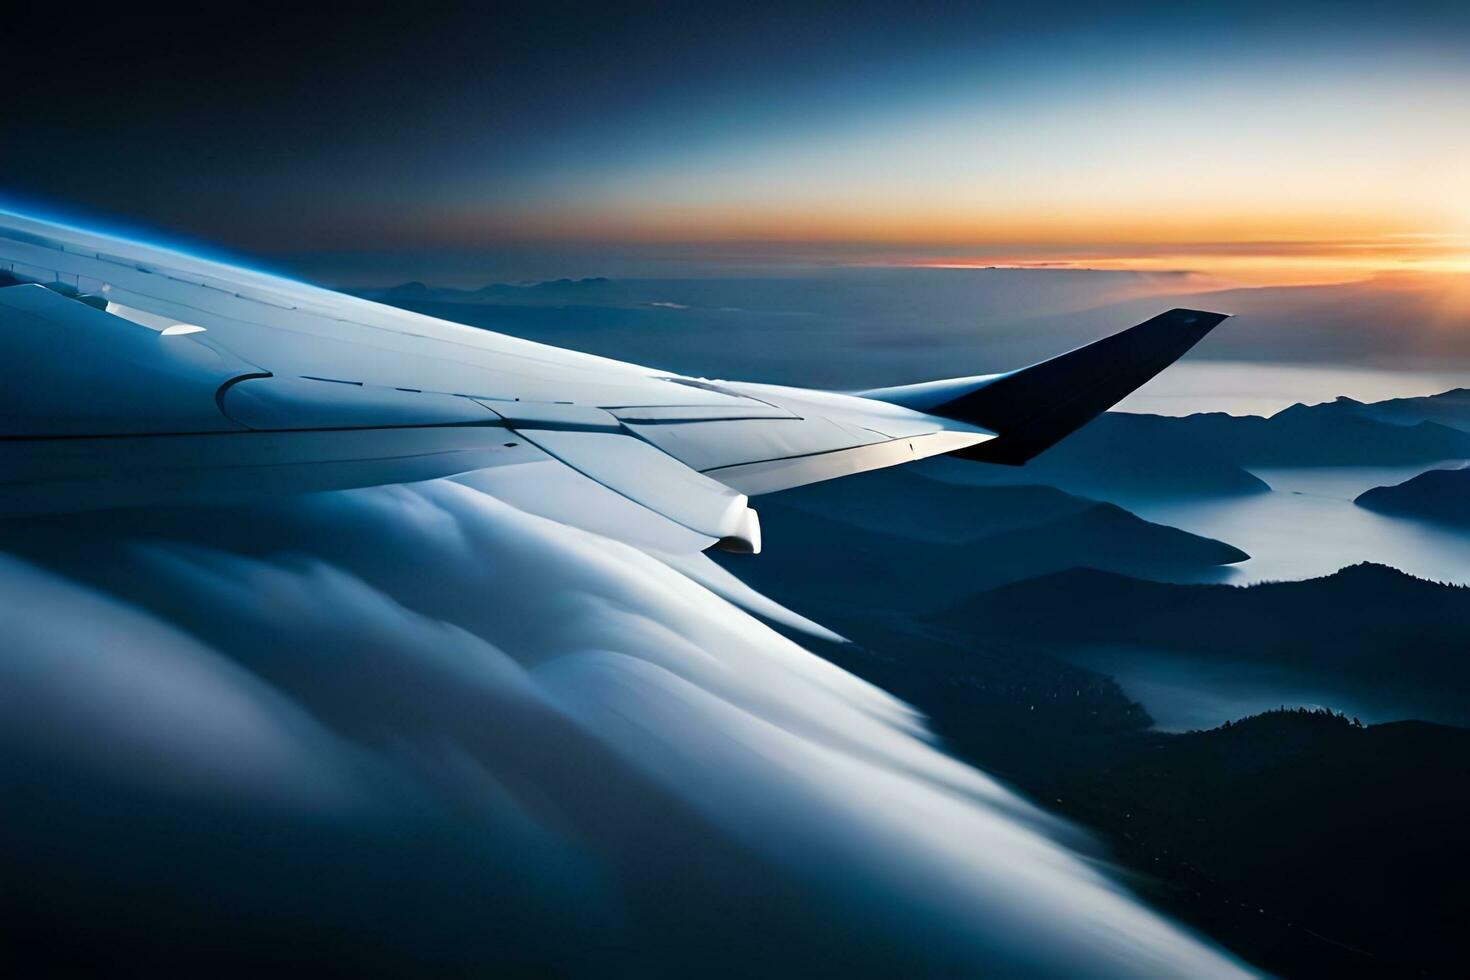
(711, 445)
(648, 476)
(768, 476)
(819, 436)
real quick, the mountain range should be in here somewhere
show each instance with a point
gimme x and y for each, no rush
(906, 542)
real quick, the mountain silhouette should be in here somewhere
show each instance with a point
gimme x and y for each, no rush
(1435, 495)
(1129, 456)
(1451, 408)
(904, 502)
(1343, 432)
(920, 544)
(1119, 457)
(1126, 457)
(408, 292)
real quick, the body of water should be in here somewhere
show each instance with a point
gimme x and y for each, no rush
(1309, 526)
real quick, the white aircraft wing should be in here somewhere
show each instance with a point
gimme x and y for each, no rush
(137, 376)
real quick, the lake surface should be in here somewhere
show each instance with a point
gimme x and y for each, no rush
(1309, 526)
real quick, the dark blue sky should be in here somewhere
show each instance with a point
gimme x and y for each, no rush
(334, 142)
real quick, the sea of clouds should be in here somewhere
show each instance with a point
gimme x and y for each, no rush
(466, 726)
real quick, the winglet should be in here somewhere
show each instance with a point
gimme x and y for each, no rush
(1032, 409)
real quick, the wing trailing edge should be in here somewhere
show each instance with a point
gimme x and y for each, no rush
(1033, 408)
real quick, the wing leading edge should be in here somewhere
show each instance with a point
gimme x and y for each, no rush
(140, 376)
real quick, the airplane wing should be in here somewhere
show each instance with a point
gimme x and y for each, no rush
(138, 376)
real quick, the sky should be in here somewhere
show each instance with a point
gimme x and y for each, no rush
(1246, 140)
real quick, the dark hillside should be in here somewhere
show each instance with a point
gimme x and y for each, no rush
(1366, 618)
(1436, 495)
(1314, 846)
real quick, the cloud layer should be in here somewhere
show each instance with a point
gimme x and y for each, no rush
(418, 727)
